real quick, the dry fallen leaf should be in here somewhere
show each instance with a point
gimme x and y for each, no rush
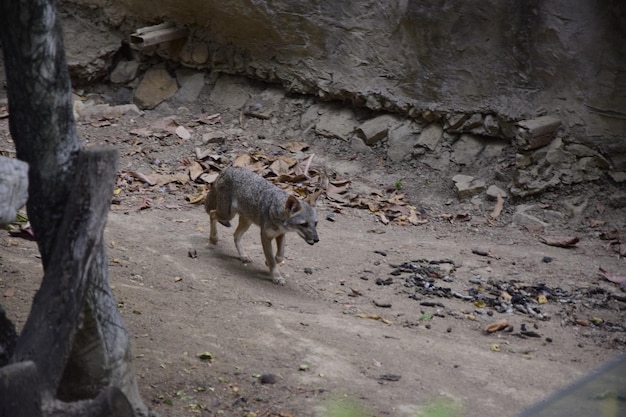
(183, 133)
(295, 146)
(373, 317)
(195, 170)
(559, 241)
(497, 326)
(279, 167)
(243, 160)
(616, 279)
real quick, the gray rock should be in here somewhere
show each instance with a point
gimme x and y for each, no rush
(156, 86)
(618, 176)
(402, 141)
(358, 145)
(522, 218)
(337, 124)
(535, 133)
(494, 191)
(191, 84)
(491, 125)
(124, 72)
(374, 130)
(230, 92)
(264, 105)
(467, 149)
(468, 186)
(430, 137)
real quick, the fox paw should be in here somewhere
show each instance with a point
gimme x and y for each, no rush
(278, 280)
(245, 260)
(213, 240)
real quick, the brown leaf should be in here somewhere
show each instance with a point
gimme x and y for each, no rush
(559, 241)
(302, 168)
(397, 199)
(182, 133)
(209, 177)
(595, 223)
(196, 198)
(209, 118)
(295, 146)
(497, 326)
(289, 160)
(616, 279)
(162, 179)
(143, 132)
(10, 292)
(414, 220)
(279, 167)
(143, 177)
(534, 228)
(167, 124)
(195, 170)
(243, 160)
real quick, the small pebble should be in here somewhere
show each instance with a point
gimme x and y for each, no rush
(268, 379)
(330, 217)
(547, 259)
(549, 339)
(449, 330)
(308, 271)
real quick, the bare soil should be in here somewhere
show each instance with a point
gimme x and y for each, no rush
(343, 327)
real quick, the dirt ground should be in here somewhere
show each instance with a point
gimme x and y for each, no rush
(350, 325)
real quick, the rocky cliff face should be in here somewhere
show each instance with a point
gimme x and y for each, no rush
(511, 58)
(474, 68)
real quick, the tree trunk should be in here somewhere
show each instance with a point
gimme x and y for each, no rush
(43, 129)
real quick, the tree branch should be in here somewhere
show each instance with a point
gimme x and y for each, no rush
(59, 302)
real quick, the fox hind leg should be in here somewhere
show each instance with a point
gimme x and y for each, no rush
(242, 227)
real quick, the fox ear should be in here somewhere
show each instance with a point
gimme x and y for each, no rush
(312, 198)
(292, 206)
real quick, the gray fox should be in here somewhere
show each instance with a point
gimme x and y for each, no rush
(256, 200)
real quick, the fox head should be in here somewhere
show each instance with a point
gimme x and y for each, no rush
(302, 217)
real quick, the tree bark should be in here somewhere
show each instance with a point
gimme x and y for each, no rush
(43, 129)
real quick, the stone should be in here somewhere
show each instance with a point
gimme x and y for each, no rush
(466, 149)
(156, 86)
(494, 191)
(618, 176)
(374, 130)
(455, 121)
(618, 200)
(535, 133)
(85, 62)
(402, 141)
(231, 92)
(430, 137)
(437, 62)
(124, 72)
(358, 146)
(491, 125)
(264, 105)
(88, 111)
(522, 218)
(191, 84)
(468, 186)
(338, 124)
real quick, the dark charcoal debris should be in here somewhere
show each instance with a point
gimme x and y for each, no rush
(389, 377)
(380, 281)
(426, 279)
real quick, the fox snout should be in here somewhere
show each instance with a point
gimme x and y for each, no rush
(313, 240)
